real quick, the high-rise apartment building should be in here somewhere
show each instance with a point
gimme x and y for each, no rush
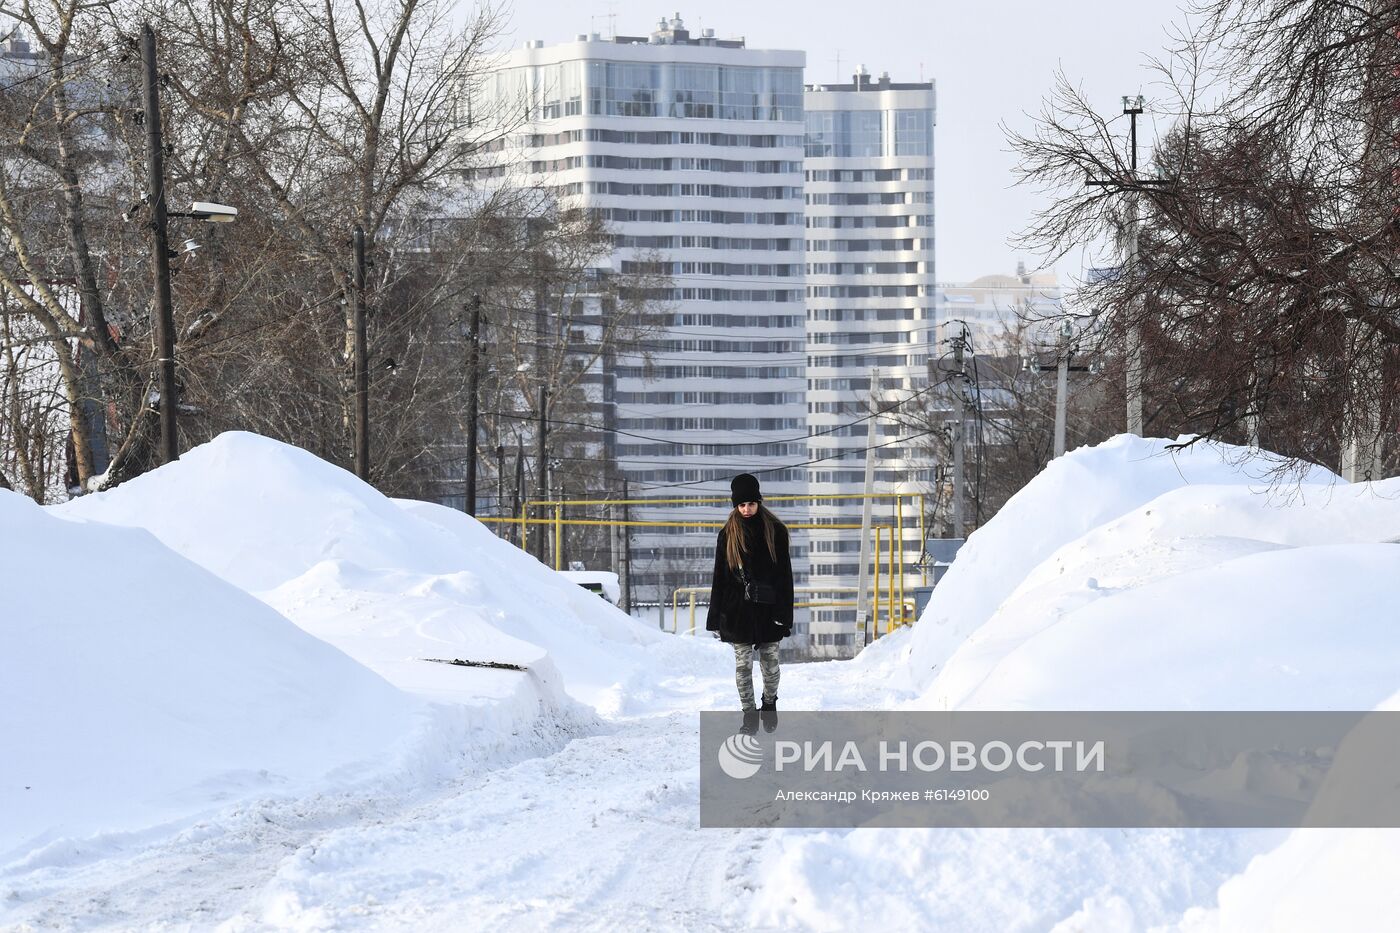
(796, 224)
(691, 147)
(870, 314)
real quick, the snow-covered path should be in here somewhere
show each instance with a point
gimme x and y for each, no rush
(595, 831)
(320, 775)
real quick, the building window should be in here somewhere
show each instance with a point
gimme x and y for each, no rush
(913, 133)
(845, 133)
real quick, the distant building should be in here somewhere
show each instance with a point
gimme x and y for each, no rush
(995, 308)
(870, 290)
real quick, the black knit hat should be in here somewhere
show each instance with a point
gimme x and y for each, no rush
(744, 488)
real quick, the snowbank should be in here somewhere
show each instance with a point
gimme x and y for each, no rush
(1207, 597)
(1073, 495)
(1318, 879)
(258, 513)
(394, 582)
(137, 687)
(1123, 578)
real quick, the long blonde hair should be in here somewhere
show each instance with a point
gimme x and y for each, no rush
(735, 547)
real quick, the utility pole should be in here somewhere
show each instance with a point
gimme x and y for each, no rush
(1064, 353)
(542, 479)
(1132, 107)
(361, 360)
(500, 480)
(160, 252)
(626, 549)
(1134, 362)
(1061, 387)
(863, 616)
(959, 416)
(520, 490)
(473, 382)
(1361, 444)
(1361, 418)
(562, 530)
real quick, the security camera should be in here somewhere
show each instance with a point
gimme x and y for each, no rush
(214, 213)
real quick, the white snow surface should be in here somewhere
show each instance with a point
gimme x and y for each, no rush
(1124, 577)
(120, 714)
(1073, 495)
(392, 582)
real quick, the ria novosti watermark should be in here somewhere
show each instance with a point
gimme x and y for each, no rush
(928, 755)
(1052, 769)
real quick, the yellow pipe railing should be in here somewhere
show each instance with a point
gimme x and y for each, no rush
(899, 520)
(708, 500)
(809, 526)
(923, 544)
(875, 603)
(692, 592)
(896, 579)
(889, 588)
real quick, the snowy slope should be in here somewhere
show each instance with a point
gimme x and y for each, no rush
(394, 582)
(1073, 495)
(137, 687)
(1318, 879)
(1113, 584)
(1207, 597)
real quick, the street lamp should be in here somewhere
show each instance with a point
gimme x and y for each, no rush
(1133, 107)
(208, 211)
(160, 246)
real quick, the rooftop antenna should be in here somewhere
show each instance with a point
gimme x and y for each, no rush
(837, 59)
(610, 16)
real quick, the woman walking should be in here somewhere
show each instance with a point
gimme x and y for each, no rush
(751, 596)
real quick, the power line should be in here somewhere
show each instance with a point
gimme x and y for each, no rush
(519, 416)
(835, 456)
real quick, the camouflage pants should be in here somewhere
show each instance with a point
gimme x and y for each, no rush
(743, 672)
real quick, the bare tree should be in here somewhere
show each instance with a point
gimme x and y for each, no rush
(1265, 283)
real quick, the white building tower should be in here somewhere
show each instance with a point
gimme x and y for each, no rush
(870, 306)
(691, 147)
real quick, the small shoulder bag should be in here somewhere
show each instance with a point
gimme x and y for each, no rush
(757, 592)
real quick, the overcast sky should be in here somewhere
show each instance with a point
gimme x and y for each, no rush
(992, 61)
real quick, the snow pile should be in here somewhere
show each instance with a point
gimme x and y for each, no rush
(1319, 879)
(1073, 495)
(1334, 879)
(395, 582)
(136, 687)
(1122, 578)
(1207, 597)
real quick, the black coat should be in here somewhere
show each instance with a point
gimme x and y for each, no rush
(746, 623)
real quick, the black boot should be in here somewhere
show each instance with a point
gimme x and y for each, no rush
(750, 724)
(769, 704)
(769, 717)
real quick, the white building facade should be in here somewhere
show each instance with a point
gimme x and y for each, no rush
(870, 307)
(691, 147)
